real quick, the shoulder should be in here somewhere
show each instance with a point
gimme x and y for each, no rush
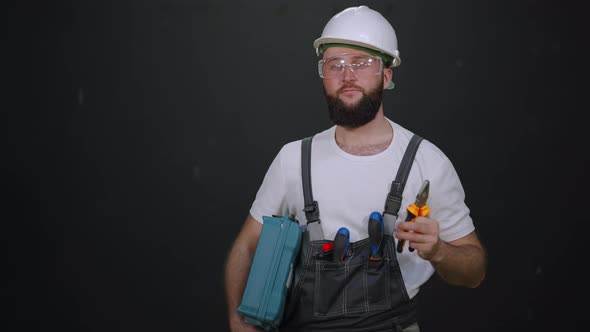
(428, 152)
(293, 148)
(432, 153)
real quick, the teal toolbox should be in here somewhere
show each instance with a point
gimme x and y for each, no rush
(270, 276)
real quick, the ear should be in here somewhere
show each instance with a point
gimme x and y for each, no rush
(387, 77)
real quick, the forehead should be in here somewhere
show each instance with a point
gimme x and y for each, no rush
(334, 51)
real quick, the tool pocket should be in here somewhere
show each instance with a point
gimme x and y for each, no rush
(356, 285)
(355, 293)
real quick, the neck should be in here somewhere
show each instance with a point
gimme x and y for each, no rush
(369, 139)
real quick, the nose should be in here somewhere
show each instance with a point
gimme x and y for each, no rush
(348, 74)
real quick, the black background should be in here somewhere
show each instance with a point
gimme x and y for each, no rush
(147, 127)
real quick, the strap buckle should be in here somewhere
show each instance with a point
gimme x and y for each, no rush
(312, 212)
(393, 203)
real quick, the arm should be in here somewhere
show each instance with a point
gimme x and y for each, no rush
(461, 262)
(237, 268)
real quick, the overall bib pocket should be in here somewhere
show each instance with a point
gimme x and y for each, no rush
(357, 285)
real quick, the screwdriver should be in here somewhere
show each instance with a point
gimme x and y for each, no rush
(376, 236)
(341, 244)
(416, 209)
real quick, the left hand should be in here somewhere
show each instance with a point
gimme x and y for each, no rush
(422, 234)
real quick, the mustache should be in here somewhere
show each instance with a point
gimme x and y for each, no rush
(350, 86)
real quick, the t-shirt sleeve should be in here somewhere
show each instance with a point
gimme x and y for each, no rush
(271, 196)
(448, 203)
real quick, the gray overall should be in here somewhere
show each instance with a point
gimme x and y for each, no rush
(357, 294)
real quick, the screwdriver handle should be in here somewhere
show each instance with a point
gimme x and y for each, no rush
(376, 236)
(341, 244)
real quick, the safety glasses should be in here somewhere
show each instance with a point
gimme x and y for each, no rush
(363, 66)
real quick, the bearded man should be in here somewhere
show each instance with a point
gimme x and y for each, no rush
(355, 167)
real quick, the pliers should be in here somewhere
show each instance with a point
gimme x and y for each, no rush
(416, 209)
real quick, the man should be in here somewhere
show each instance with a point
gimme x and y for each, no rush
(353, 165)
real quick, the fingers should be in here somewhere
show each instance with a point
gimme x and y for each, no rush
(422, 235)
(412, 237)
(420, 225)
(412, 227)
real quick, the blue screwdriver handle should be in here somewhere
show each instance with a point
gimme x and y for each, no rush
(341, 244)
(376, 230)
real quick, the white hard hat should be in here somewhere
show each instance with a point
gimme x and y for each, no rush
(360, 26)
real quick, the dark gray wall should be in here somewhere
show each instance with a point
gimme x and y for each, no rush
(148, 126)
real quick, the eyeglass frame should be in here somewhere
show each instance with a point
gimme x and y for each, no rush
(349, 65)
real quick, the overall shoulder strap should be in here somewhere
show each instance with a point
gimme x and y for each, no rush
(394, 198)
(312, 212)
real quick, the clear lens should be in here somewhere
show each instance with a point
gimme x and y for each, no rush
(362, 66)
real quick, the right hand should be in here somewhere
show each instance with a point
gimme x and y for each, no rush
(237, 324)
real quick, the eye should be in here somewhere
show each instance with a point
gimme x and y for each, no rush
(336, 67)
(361, 65)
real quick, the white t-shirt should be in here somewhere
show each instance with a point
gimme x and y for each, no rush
(349, 188)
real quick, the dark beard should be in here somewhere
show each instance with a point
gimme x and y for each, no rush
(357, 115)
